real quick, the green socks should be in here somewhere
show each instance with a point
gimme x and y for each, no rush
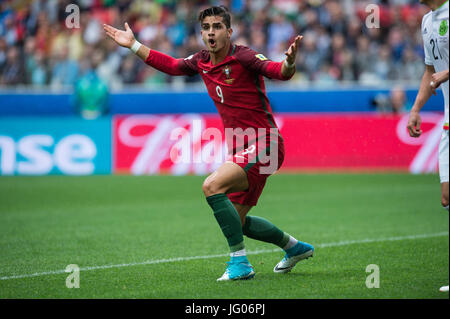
(228, 219)
(261, 229)
(255, 227)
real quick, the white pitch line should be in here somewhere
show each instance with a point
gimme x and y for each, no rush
(255, 252)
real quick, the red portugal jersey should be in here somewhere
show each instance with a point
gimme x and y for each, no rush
(236, 86)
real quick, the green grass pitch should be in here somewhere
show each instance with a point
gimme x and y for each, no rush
(156, 237)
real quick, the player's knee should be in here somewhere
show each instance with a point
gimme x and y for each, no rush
(206, 187)
(211, 187)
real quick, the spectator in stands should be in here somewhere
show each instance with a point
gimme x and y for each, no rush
(9, 31)
(258, 41)
(65, 70)
(383, 65)
(398, 100)
(151, 77)
(333, 17)
(395, 102)
(364, 57)
(13, 72)
(322, 39)
(328, 75)
(279, 31)
(347, 66)
(307, 19)
(396, 40)
(310, 59)
(176, 30)
(129, 70)
(91, 92)
(354, 30)
(410, 67)
(337, 49)
(110, 63)
(37, 69)
(2, 54)
(93, 32)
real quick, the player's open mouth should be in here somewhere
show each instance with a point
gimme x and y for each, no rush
(212, 43)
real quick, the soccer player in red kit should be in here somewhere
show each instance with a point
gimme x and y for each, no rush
(233, 76)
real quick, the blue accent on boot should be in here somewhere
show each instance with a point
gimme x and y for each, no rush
(298, 249)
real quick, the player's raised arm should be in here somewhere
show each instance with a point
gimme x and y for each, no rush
(288, 68)
(126, 39)
(258, 63)
(158, 60)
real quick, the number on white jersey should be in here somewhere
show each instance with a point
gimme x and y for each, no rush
(434, 43)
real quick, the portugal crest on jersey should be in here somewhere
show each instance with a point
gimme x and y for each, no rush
(443, 28)
(227, 71)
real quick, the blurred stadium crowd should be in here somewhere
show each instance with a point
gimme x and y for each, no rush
(37, 47)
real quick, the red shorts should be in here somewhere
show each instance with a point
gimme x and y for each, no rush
(258, 166)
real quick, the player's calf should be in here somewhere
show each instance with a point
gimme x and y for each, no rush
(229, 177)
(444, 195)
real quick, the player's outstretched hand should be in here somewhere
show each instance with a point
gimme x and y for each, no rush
(437, 79)
(122, 38)
(414, 123)
(292, 51)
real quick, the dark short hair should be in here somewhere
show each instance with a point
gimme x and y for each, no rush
(220, 11)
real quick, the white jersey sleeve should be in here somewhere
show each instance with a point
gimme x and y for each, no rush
(426, 22)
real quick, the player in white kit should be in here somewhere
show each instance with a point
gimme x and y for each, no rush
(435, 35)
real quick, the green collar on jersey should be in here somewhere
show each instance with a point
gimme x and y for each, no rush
(234, 48)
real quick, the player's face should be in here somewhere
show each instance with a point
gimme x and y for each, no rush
(215, 34)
